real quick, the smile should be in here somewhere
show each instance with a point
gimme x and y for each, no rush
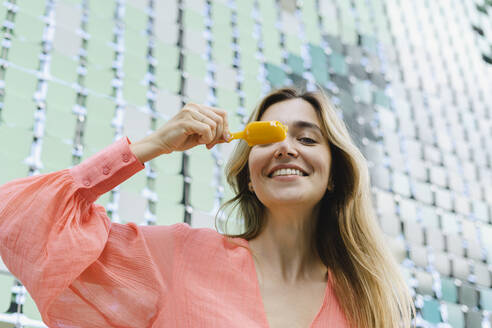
(286, 172)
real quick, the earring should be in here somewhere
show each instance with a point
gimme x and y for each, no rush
(250, 187)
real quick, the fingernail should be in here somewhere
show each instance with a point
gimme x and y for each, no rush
(228, 136)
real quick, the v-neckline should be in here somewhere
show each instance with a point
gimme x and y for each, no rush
(252, 268)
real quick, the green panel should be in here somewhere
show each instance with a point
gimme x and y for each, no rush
(135, 18)
(273, 54)
(19, 145)
(56, 154)
(60, 122)
(31, 7)
(99, 53)
(337, 64)
(168, 164)
(222, 32)
(362, 91)
(295, 63)
(104, 199)
(251, 68)
(293, 44)
(12, 168)
(449, 290)
(223, 54)
(167, 55)
(103, 9)
(195, 65)
(331, 26)
(252, 90)
(227, 100)
(321, 75)
(19, 82)
(193, 20)
(268, 11)
(319, 64)
(169, 188)
(135, 66)
(317, 53)
(134, 91)
(99, 80)
(100, 109)
(61, 96)
(169, 213)
(25, 54)
(245, 25)
(136, 43)
(244, 8)
(27, 27)
(367, 25)
(18, 111)
(486, 299)
(63, 67)
(431, 311)
(96, 136)
(221, 14)
(381, 99)
(235, 123)
(247, 45)
(6, 283)
(168, 79)
(369, 43)
(223, 39)
(202, 196)
(313, 33)
(3, 13)
(100, 28)
(276, 75)
(201, 164)
(456, 317)
(135, 184)
(349, 34)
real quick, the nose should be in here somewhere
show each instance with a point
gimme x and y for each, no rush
(285, 148)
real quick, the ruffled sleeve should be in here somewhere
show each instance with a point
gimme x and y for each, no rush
(81, 269)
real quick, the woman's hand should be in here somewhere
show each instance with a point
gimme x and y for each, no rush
(193, 125)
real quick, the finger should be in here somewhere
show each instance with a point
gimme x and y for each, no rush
(203, 130)
(212, 114)
(198, 116)
(223, 114)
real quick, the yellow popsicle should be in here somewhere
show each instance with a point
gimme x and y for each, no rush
(261, 132)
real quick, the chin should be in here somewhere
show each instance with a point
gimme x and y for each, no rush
(285, 200)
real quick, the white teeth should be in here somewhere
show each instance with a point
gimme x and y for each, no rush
(287, 172)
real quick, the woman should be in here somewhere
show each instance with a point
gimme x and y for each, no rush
(311, 255)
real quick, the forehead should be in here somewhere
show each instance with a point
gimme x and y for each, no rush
(290, 111)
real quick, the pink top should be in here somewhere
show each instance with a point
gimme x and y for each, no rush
(84, 271)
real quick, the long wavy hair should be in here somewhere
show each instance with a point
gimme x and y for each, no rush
(366, 279)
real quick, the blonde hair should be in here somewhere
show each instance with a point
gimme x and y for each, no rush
(347, 236)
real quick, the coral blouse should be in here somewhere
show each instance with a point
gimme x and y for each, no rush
(83, 270)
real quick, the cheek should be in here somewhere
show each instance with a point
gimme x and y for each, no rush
(323, 166)
(256, 163)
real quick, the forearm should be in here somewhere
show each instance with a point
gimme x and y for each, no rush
(146, 149)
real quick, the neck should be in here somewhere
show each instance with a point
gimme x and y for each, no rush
(283, 249)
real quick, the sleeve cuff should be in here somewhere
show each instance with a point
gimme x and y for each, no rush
(105, 170)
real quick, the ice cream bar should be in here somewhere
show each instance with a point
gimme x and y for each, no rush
(261, 132)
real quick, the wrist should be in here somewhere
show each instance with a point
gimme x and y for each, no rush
(146, 149)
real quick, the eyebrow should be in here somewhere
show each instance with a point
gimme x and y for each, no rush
(306, 125)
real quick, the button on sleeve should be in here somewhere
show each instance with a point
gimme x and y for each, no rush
(105, 170)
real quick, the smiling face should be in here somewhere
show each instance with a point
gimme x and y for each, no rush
(296, 170)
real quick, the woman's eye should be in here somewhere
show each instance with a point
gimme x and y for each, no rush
(307, 140)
